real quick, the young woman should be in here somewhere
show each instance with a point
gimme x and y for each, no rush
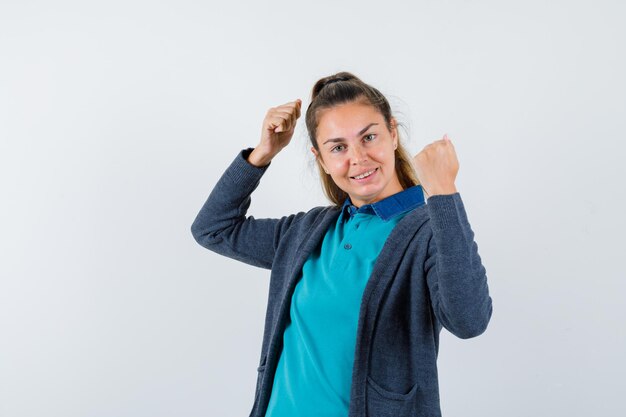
(360, 289)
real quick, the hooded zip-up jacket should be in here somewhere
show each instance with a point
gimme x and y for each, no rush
(428, 275)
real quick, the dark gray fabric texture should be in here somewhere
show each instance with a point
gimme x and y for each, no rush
(428, 275)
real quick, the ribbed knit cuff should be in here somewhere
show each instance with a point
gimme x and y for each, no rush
(242, 172)
(445, 210)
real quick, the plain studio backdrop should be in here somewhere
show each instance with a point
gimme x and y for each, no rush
(117, 118)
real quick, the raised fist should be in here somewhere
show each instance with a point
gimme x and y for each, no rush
(436, 166)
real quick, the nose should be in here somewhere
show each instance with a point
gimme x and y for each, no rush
(358, 155)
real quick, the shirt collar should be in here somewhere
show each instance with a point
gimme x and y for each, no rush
(390, 206)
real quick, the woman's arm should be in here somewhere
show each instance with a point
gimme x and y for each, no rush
(457, 280)
(455, 275)
(222, 225)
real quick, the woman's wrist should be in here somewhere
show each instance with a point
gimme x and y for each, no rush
(259, 158)
(445, 190)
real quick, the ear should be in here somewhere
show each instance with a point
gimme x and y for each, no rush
(394, 132)
(319, 158)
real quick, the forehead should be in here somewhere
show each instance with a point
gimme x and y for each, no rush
(346, 120)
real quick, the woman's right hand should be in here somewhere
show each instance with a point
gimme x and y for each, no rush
(278, 128)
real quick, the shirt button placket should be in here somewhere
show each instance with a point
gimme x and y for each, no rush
(353, 226)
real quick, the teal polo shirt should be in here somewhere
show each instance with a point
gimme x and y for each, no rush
(314, 371)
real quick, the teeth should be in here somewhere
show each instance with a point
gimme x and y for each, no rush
(366, 174)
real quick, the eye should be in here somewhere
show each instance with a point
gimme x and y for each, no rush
(372, 135)
(337, 148)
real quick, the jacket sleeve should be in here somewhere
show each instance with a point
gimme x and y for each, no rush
(222, 225)
(456, 277)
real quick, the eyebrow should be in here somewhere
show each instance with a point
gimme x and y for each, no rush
(360, 133)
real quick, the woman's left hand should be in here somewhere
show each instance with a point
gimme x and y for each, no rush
(436, 166)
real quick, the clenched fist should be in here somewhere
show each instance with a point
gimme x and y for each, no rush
(278, 128)
(436, 166)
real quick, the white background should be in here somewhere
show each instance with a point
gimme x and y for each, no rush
(118, 117)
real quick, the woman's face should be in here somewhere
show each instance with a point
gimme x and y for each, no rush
(357, 151)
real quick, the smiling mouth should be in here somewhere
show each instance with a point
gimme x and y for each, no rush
(364, 175)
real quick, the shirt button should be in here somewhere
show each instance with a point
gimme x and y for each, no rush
(347, 246)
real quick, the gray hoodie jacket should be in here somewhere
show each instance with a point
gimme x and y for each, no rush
(428, 275)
